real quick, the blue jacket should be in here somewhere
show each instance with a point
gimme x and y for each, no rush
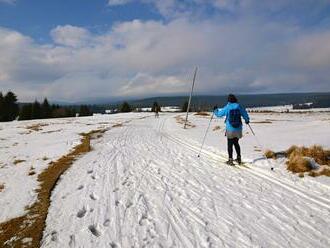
(225, 111)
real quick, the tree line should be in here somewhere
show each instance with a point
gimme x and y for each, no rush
(11, 110)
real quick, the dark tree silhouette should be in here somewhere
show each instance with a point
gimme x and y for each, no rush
(84, 111)
(9, 108)
(125, 108)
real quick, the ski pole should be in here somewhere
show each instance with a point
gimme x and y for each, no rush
(262, 148)
(205, 134)
(251, 130)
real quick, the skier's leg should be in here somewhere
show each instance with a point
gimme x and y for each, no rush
(230, 148)
(238, 149)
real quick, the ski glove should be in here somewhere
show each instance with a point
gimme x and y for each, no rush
(247, 122)
(215, 107)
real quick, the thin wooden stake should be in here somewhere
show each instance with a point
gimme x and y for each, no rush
(191, 92)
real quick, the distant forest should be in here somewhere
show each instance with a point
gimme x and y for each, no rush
(10, 109)
(203, 103)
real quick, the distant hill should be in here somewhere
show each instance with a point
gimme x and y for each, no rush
(202, 102)
(247, 100)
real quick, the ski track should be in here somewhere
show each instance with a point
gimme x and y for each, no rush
(142, 186)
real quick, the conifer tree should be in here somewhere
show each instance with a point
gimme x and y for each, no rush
(84, 111)
(1, 106)
(36, 110)
(125, 108)
(184, 107)
(46, 109)
(26, 112)
(9, 107)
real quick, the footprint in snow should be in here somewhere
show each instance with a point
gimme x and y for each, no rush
(72, 242)
(93, 196)
(89, 171)
(113, 245)
(80, 187)
(54, 236)
(95, 230)
(106, 222)
(81, 213)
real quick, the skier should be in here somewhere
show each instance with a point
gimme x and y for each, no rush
(233, 112)
(157, 112)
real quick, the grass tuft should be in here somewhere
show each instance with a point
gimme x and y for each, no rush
(2, 187)
(117, 125)
(181, 121)
(298, 161)
(216, 128)
(202, 114)
(36, 127)
(270, 154)
(18, 161)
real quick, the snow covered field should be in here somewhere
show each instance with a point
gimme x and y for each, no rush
(142, 184)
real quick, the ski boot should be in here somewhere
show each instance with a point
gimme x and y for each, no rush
(238, 160)
(230, 162)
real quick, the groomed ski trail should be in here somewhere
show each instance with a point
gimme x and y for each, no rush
(144, 187)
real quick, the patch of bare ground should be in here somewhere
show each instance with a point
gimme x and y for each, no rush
(181, 120)
(202, 114)
(36, 127)
(216, 128)
(31, 225)
(270, 154)
(2, 187)
(117, 125)
(315, 160)
(53, 131)
(18, 161)
(262, 122)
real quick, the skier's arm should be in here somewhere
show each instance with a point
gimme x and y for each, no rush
(245, 115)
(220, 112)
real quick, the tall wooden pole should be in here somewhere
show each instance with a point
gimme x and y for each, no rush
(191, 92)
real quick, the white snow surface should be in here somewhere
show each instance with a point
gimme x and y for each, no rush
(142, 185)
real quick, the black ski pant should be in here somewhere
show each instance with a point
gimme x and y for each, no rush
(231, 143)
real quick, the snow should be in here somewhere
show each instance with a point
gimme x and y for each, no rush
(142, 185)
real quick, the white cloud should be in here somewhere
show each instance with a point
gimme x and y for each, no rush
(8, 1)
(117, 2)
(136, 59)
(70, 36)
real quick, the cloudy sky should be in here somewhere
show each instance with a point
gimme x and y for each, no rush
(73, 50)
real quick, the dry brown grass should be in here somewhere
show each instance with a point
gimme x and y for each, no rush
(270, 154)
(216, 128)
(261, 122)
(320, 155)
(2, 187)
(33, 222)
(322, 172)
(18, 161)
(117, 125)
(298, 162)
(181, 120)
(53, 131)
(36, 127)
(202, 114)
